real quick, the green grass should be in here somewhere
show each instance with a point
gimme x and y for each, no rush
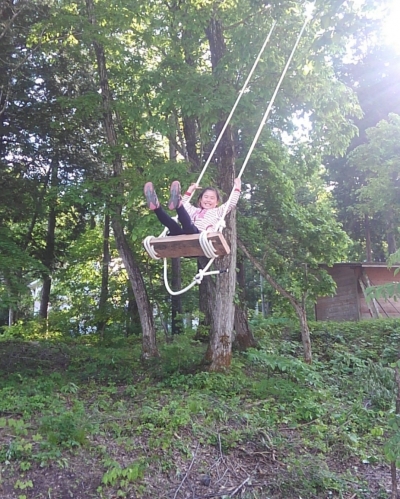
(86, 420)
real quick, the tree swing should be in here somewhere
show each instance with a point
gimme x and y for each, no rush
(212, 244)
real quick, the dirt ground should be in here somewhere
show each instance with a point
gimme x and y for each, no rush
(245, 472)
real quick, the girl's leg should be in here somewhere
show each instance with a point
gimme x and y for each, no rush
(187, 224)
(174, 228)
(153, 204)
(175, 203)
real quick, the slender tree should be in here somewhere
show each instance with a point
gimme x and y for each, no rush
(149, 347)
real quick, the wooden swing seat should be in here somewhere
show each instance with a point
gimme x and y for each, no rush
(188, 245)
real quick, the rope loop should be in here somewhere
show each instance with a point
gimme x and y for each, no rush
(207, 245)
(149, 248)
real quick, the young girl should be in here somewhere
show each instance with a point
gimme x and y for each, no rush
(192, 219)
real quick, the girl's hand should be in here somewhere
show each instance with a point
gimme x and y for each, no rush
(238, 184)
(193, 187)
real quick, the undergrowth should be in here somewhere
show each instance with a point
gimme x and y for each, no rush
(121, 427)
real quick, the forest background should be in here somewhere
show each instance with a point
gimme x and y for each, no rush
(99, 97)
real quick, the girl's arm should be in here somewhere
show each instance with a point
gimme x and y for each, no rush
(190, 190)
(234, 199)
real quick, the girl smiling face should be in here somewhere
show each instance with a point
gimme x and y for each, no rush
(208, 199)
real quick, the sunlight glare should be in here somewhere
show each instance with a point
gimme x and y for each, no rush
(391, 26)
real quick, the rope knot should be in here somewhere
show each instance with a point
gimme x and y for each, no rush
(199, 276)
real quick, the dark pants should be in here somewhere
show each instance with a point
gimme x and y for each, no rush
(186, 226)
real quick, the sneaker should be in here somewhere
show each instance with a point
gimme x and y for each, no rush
(151, 196)
(175, 198)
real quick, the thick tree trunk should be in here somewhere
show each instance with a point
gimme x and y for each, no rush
(149, 346)
(299, 308)
(219, 353)
(102, 311)
(222, 307)
(243, 336)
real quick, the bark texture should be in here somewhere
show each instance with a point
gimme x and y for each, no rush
(222, 290)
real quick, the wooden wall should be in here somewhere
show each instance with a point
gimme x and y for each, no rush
(344, 305)
(349, 304)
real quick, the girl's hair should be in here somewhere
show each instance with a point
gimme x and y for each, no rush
(213, 189)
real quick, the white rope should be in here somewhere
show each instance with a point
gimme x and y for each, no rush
(149, 248)
(196, 280)
(207, 246)
(234, 107)
(271, 103)
(146, 242)
(265, 117)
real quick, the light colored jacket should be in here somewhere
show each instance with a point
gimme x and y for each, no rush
(206, 219)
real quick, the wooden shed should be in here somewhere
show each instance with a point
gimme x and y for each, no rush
(349, 303)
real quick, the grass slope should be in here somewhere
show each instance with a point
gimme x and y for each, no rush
(85, 419)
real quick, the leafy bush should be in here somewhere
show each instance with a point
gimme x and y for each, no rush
(69, 429)
(181, 355)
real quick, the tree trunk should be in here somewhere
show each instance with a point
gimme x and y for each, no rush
(206, 300)
(45, 296)
(102, 310)
(149, 346)
(367, 238)
(305, 331)
(176, 301)
(244, 338)
(39, 202)
(11, 316)
(189, 131)
(390, 234)
(49, 256)
(176, 282)
(133, 318)
(219, 352)
(299, 308)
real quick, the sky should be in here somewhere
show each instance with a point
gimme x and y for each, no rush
(391, 27)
